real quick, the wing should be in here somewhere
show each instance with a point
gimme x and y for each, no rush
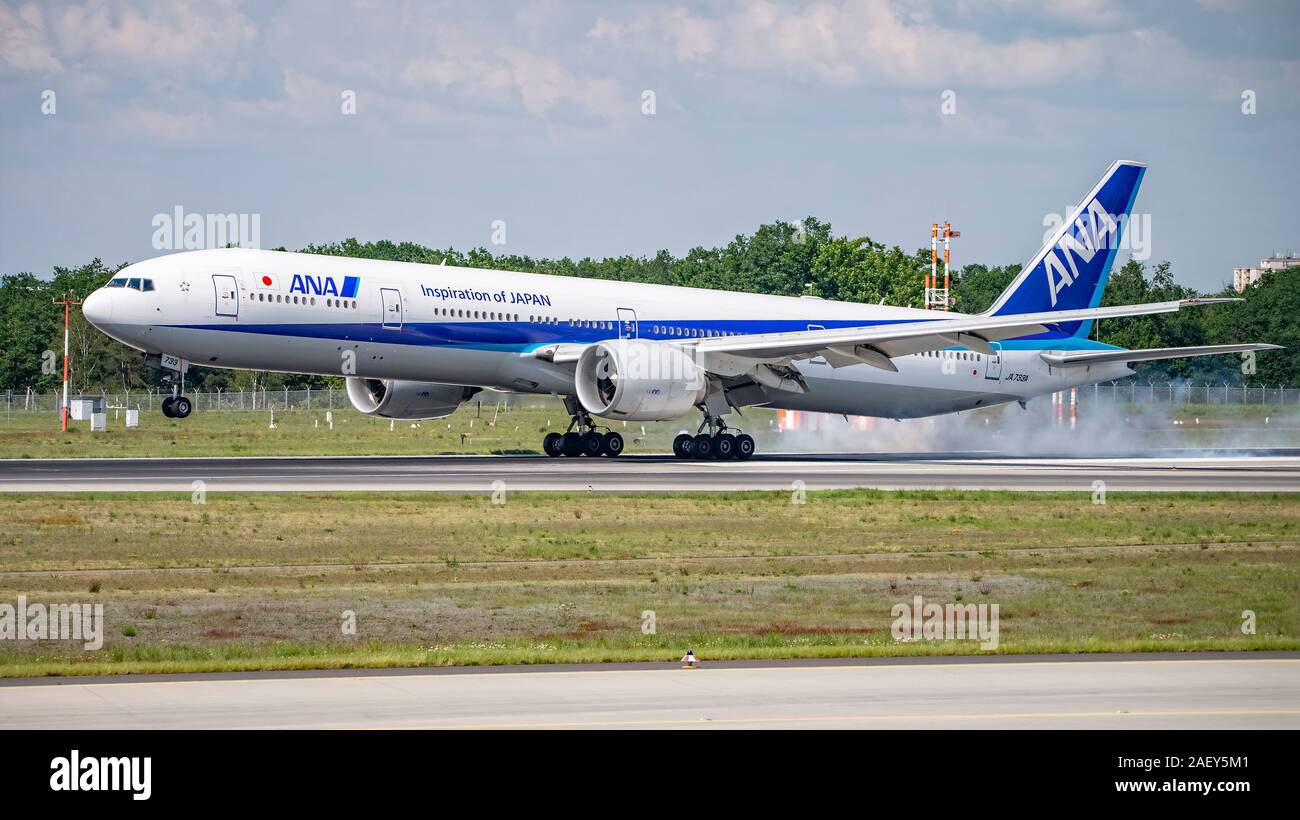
(1087, 357)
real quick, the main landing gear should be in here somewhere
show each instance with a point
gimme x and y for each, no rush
(719, 442)
(586, 440)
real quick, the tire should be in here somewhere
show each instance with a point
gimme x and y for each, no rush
(724, 446)
(613, 444)
(703, 448)
(571, 444)
(181, 407)
(744, 446)
(684, 445)
(553, 445)
(167, 407)
(593, 444)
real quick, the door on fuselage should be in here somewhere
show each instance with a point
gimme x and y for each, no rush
(227, 293)
(391, 299)
(626, 323)
(993, 370)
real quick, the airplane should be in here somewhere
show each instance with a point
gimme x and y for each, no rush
(414, 341)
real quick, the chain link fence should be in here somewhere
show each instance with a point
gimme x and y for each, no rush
(1131, 391)
(323, 398)
(330, 398)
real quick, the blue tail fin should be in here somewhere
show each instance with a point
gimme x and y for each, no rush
(1071, 270)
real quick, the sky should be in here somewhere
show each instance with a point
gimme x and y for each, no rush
(593, 129)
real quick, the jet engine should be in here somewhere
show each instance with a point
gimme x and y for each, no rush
(398, 399)
(638, 380)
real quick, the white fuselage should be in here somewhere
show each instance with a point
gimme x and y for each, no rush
(306, 313)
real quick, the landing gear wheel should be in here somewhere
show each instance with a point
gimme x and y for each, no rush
(181, 407)
(684, 445)
(571, 444)
(724, 446)
(592, 444)
(744, 446)
(703, 448)
(167, 407)
(553, 445)
(612, 445)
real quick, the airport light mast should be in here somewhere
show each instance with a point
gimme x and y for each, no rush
(67, 311)
(936, 298)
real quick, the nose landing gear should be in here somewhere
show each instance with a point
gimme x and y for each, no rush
(176, 407)
(586, 440)
(719, 442)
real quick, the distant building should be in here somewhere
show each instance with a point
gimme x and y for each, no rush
(1244, 277)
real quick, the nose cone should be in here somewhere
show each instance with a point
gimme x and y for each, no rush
(98, 308)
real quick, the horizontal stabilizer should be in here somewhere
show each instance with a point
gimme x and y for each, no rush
(902, 339)
(1087, 357)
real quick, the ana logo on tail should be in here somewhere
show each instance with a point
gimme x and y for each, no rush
(1092, 231)
(1074, 261)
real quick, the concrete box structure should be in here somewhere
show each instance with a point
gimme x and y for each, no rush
(81, 408)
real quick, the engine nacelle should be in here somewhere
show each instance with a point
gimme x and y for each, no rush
(397, 399)
(638, 380)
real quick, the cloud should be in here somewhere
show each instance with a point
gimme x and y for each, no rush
(1090, 14)
(24, 41)
(692, 38)
(881, 44)
(502, 74)
(205, 38)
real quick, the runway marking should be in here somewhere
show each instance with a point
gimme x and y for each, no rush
(834, 718)
(668, 667)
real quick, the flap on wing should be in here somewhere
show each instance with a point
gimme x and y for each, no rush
(1087, 357)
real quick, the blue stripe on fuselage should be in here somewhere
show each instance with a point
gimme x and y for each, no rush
(523, 336)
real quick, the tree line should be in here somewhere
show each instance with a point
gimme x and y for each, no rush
(784, 258)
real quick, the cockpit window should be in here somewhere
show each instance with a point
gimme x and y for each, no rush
(134, 284)
(147, 285)
(119, 282)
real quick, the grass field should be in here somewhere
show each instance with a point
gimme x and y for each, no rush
(265, 581)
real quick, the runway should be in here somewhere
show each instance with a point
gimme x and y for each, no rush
(1264, 471)
(1218, 691)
